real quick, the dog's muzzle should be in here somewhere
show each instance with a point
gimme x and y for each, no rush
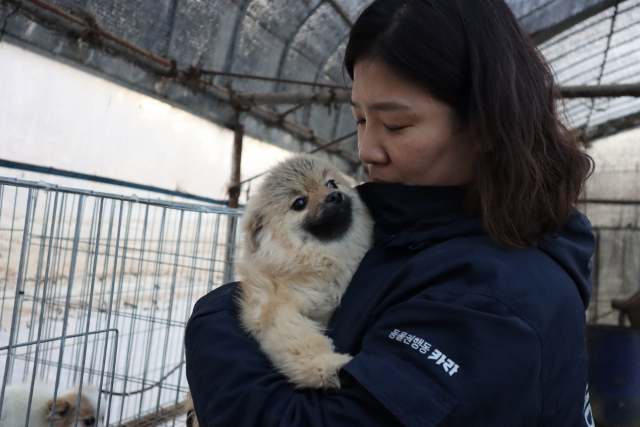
(333, 220)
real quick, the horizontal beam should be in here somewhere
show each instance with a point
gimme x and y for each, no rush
(344, 96)
(601, 91)
(609, 128)
(296, 98)
(611, 202)
(558, 16)
(103, 180)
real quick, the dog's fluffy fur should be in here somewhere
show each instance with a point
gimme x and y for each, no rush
(304, 234)
(16, 397)
(296, 264)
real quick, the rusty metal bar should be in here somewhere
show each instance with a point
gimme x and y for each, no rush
(343, 95)
(102, 33)
(271, 79)
(611, 202)
(600, 91)
(234, 195)
(608, 128)
(234, 188)
(301, 98)
(335, 141)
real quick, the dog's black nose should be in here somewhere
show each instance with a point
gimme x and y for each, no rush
(335, 197)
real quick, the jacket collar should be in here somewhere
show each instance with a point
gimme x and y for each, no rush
(406, 215)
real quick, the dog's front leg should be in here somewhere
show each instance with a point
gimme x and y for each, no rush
(299, 349)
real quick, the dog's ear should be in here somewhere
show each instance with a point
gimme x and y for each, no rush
(62, 408)
(254, 226)
(192, 420)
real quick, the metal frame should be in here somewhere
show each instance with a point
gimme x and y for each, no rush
(99, 278)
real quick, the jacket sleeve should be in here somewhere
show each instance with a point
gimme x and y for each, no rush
(434, 359)
(234, 385)
(444, 359)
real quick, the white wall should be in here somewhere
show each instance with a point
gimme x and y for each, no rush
(55, 115)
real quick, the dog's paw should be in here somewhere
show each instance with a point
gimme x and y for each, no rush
(322, 372)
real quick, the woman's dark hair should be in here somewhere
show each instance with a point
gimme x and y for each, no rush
(474, 56)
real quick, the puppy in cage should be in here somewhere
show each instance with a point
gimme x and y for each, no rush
(304, 235)
(43, 413)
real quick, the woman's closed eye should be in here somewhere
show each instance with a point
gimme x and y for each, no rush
(390, 128)
(395, 128)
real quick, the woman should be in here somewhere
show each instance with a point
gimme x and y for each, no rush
(469, 310)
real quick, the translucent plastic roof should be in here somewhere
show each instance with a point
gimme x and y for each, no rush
(602, 50)
(588, 42)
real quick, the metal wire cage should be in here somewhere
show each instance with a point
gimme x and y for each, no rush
(97, 289)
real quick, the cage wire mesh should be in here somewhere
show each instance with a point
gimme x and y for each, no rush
(97, 288)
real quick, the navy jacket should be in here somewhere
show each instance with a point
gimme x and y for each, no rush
(446, 329)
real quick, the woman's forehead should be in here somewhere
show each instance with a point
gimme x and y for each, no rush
(377, 87)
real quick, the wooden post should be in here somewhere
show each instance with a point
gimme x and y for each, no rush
(234, 195)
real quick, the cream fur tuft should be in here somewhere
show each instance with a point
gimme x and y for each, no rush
(16, 398)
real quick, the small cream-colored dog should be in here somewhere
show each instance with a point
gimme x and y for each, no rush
(16, 398)
(304, 235)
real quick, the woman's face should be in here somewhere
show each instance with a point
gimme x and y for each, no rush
(405, 135)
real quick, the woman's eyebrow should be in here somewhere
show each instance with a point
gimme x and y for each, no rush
(385, 106)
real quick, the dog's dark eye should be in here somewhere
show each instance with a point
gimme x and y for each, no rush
(89, 421)
(299, 204)
(332, 184)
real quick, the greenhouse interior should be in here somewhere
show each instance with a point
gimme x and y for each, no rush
(133, 133)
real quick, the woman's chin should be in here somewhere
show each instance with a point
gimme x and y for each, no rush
(380, 181)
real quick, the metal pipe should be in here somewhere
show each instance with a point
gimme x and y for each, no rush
(343, 95)
(102, 33)
(234, 188)
(234, 194)
(272, 79)
(14, 320)
(336, 141)
(611, 202)
(600, 91)
(94, 178)
(301, 98)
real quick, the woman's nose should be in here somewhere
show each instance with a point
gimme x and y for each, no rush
(370, 148)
